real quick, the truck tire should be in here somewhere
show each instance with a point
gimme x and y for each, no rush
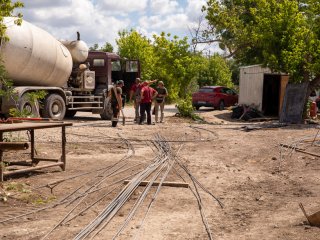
(54, 107)
(25, 105)
(70, 113)
(107, 110)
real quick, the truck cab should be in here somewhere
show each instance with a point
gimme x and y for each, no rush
(92, 94)
(109, 68)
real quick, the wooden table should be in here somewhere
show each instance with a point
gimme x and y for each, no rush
(32, 165)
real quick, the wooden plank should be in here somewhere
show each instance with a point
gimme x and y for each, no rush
(283, 86)
(167, 184)
(31, 169)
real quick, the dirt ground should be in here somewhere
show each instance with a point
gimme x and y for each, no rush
(259, 183)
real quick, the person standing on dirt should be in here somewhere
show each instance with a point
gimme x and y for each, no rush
(147, 94)
(135, 92)
(160, 99)
(116, 102)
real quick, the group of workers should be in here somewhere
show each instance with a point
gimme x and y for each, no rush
(142, 96)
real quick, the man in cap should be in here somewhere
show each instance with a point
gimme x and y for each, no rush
(116, 101)
(160, 99)
(135, 92)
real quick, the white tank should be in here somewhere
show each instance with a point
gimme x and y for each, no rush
(34, 57)
(79, 50)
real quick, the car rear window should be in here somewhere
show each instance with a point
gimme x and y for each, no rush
(206, 90)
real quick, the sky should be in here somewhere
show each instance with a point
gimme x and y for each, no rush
(99, 21)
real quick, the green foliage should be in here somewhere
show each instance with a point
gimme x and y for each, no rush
(94, 47)
(107, 47)
(133, 45)
(36, 95)
(6, 9)
(175, 65)
(281, 34)
(23, 113)
(5, 83)
(7, 91)
(234, 67)
(34, 98)
(215, 71)
(17, 187)
(186, 109)
(170, 59)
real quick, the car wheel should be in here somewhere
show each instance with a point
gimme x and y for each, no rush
(221, 105)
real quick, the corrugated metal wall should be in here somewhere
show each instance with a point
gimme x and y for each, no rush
(251, 85)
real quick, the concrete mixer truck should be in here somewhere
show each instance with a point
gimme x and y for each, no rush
(74, 78)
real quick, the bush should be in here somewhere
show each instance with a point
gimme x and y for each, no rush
(186, 109)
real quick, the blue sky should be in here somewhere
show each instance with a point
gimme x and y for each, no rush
(99, 21)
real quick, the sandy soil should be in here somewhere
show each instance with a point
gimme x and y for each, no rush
(259, 188)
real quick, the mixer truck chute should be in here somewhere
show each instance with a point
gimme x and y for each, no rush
(74, 78)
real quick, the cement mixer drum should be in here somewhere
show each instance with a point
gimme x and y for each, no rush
(34, 57)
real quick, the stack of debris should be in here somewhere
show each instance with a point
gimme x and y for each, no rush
(245, 112)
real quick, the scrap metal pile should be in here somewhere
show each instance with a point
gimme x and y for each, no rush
(245, 112)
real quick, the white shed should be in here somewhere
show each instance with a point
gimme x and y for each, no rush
(261, 88)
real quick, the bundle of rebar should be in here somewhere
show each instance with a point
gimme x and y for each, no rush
(161, 165)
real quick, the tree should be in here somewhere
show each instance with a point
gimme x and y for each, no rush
(172, 60)
(214, 71)
(107, 47)
(133, 45)
(283, 35)
(6, 10)
(175, 65)
(94, 47)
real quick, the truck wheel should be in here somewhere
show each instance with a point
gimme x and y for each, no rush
(221, 105)
(28, 107)
(70, 113)
(107, 110)
(54, 107)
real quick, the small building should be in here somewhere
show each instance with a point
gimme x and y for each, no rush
(263, 89)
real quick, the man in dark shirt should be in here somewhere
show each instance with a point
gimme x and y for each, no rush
(116, 101)
(160, 99)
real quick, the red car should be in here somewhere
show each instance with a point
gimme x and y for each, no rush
(214, 96)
